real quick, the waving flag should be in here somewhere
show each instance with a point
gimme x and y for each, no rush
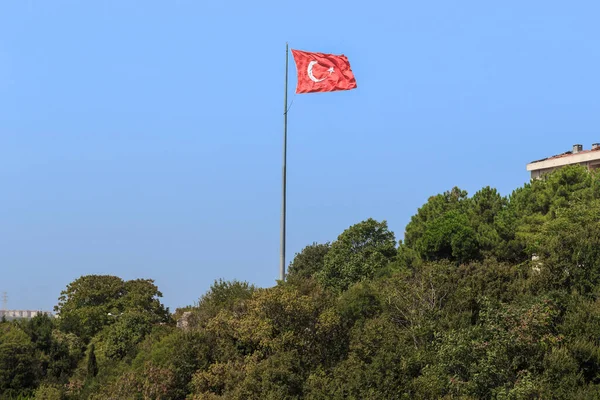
(319, 72)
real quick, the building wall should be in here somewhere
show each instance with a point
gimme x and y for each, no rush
(587, 158)
(28, 314)
(590, 165)
(537, 174)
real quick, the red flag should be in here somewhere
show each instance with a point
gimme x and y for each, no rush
(318, 72)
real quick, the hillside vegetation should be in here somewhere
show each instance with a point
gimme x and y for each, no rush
(487, 297)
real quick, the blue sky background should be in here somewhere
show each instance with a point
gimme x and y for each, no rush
(143, 138)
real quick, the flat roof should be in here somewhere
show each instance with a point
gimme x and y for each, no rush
(565, 158)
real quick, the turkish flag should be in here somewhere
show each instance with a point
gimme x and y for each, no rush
(319, 72)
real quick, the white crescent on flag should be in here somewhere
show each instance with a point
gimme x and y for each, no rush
(310, 73)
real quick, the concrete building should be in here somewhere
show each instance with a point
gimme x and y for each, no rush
(22, 314)
(588, 158)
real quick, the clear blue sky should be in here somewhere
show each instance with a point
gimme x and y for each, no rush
(143, 138)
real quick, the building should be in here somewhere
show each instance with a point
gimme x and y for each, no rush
(22, 314)
(588, 158)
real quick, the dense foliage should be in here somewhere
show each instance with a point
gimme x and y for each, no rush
(487, 297)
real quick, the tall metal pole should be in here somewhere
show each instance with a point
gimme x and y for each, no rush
(285, 111)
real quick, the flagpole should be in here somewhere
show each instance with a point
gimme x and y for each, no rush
(283, 187)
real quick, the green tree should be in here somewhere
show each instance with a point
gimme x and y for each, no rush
(143, 296)
(444, 227)
(39, 329)
(308, 262)
(85, 305)
(436, 206)
(449, 237)
(55, 358)
(65, 352)
(459, 310)
(121, 337)
(357, 254)
(451, 226)
(486, 205)
(48, 392)
(88, 303)
(179, 354)
(92, 365)
(222, 295)
(568, 245)
(19, 367)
